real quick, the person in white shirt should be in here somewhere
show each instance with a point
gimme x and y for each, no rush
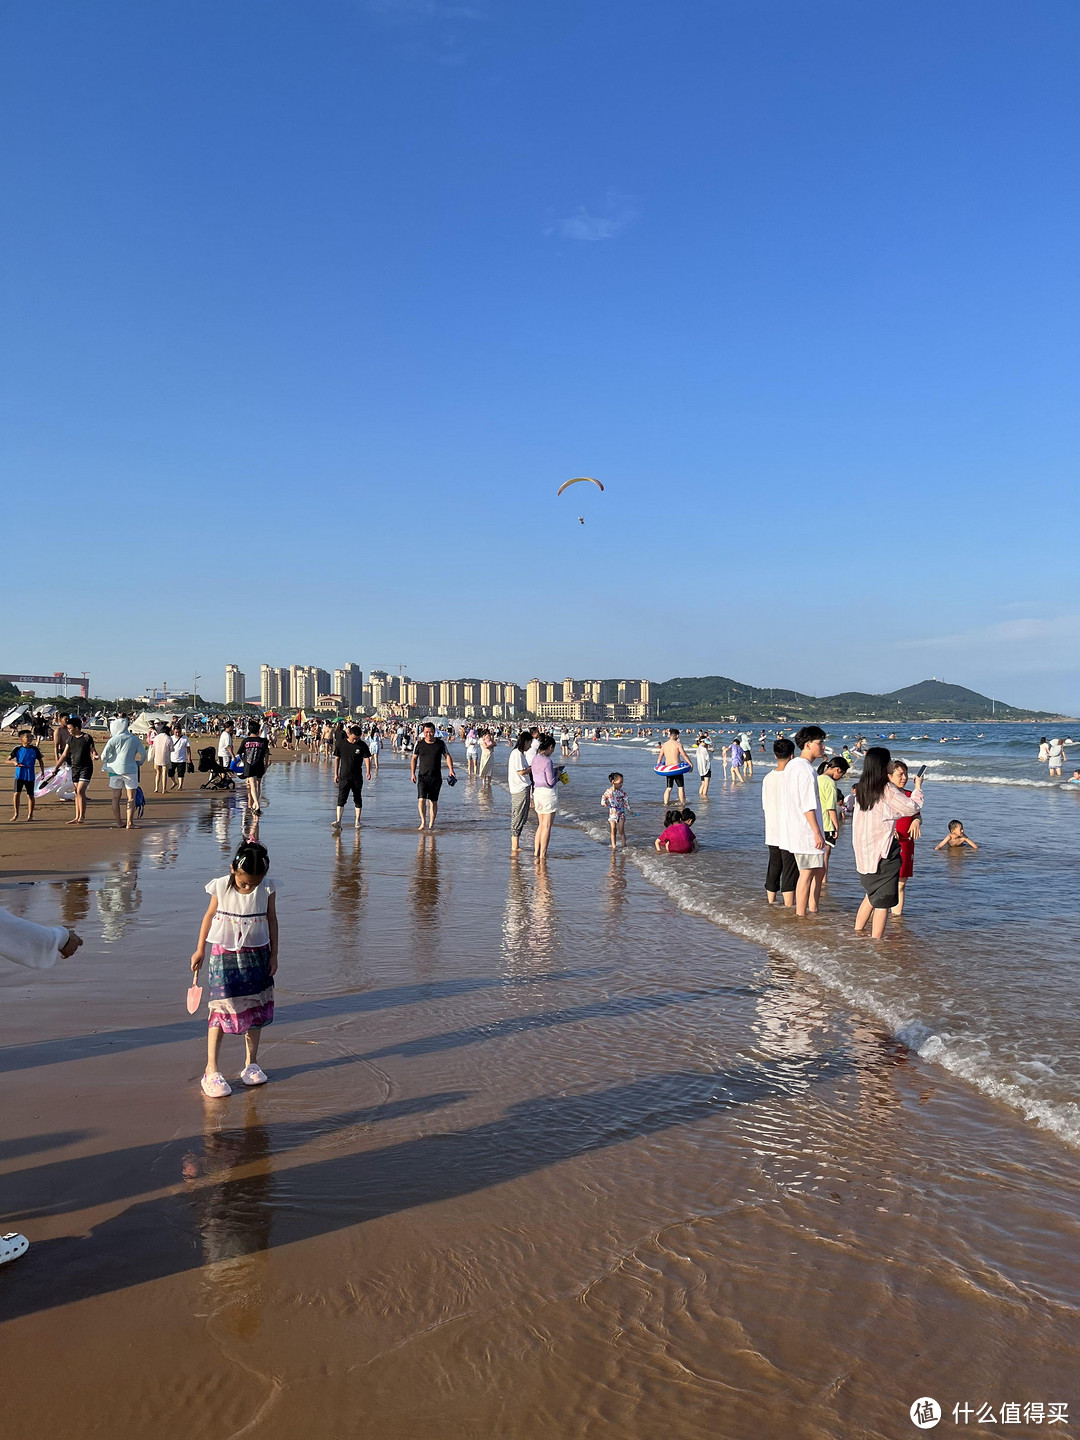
(519, 781)
(225, 751)
(179, 756)
(782, 876)
(801, 829)
(703, 756)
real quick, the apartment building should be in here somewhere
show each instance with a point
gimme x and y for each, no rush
(274, 692)
(235, 681)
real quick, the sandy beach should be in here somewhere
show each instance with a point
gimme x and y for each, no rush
(48, 846)
(542, 1155)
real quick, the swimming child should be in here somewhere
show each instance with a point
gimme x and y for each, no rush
(241, 925)
(955, 839)
(677, 838)
(616, 803)
(1074, 778)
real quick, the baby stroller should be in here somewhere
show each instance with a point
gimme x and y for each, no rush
(220, 779)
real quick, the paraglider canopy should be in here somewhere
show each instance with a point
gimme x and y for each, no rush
(579, 480)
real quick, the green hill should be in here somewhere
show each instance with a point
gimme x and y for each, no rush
(715, 697)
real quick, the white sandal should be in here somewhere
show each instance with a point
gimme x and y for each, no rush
(253, 1075)
(12, 1245)
(215, 1086)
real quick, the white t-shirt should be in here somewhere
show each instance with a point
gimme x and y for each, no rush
(532, 751)
(224, 744)
(181, 750)
(240, 921)
(161, 747)
(703, 755)
(772, 789)
(798, 795)
(518, 773)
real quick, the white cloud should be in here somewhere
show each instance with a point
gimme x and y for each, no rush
(427, 10)
(1004, 632)
(616, 215)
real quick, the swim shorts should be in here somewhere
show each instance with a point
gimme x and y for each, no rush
(21, 785)
(82, 772)
(131, 782)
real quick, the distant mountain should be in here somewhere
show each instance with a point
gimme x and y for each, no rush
(715, 697)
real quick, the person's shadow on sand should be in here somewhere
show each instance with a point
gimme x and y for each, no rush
(162, 1236)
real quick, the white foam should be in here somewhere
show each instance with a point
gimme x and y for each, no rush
(996, 780)
(967, 1056)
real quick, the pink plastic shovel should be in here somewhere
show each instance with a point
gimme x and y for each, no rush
(194, 998)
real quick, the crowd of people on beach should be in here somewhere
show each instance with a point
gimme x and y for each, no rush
(804, 811)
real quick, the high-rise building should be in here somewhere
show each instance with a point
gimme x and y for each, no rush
(349, 684)
(234, 685)
(302, 687)
(274, 687)
(307, 683)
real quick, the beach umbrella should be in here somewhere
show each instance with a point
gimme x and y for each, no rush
(14, 715)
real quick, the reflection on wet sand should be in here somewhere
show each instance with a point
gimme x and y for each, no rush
(348, 886)
(529, 926)
(233, 1220)
(74, 900)
(162, 847)
(616, 893)
(424, 888)
(118, 897)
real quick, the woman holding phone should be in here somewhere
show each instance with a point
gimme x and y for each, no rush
(878, 805)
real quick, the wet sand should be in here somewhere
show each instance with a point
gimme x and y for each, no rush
(48, 846)
(542, 1156)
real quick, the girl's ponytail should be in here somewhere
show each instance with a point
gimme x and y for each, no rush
(251, 858)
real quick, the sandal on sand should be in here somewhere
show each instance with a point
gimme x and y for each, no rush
(215, 1086)
(12, 1245)
(253, 1075)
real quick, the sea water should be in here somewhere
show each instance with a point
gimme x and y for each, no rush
(979, 975)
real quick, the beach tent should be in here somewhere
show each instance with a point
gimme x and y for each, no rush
(142, 722)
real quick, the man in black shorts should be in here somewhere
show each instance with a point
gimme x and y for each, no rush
(255, 753)
(352, 760)
(425, 771)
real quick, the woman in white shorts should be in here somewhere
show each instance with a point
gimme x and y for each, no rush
(545, 799)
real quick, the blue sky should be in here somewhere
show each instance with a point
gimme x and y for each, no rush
(310, 308)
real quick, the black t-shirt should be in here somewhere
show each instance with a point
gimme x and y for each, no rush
(80, 752)
(429, 755)
(351, 756)
(256, 748)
